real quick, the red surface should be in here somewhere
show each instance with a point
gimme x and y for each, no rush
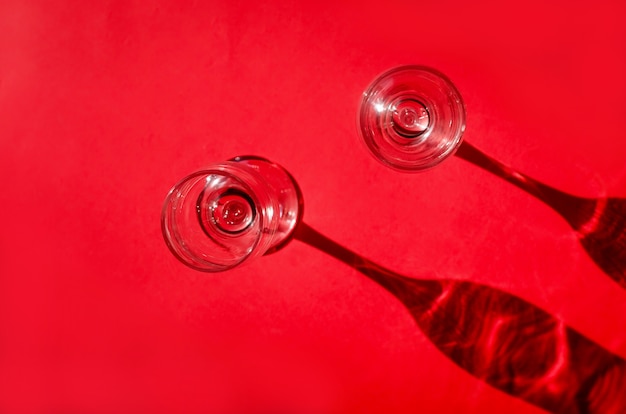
(103, 106)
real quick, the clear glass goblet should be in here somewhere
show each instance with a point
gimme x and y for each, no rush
(231, 212)
(411, 118)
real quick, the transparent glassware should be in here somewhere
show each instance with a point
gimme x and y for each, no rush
(220, 217)
(411, 118)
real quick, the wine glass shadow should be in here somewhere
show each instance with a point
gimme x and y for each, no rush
(500, 338)
(600, 223)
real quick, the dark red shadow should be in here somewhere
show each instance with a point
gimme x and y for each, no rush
(599, 223)
(501, 339)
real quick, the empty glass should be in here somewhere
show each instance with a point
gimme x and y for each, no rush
(411, 118)
(229, 213)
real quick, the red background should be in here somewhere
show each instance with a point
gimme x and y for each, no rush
(104, 105)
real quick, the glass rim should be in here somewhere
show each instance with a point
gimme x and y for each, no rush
(170, 239)
(451, 94)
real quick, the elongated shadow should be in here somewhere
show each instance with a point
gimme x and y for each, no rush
(600, 223)
(501, 339)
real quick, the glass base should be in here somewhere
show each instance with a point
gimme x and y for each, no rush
(289, 197)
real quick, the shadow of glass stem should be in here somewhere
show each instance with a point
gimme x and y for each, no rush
(500, 339)
(599, 223)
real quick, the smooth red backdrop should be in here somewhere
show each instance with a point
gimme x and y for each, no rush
(105, 104)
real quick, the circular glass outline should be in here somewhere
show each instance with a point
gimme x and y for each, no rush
(212, 267)
(448, 94)
(171, 239)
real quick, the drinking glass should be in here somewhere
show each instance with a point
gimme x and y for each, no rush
(231, 212)
(412, 118)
